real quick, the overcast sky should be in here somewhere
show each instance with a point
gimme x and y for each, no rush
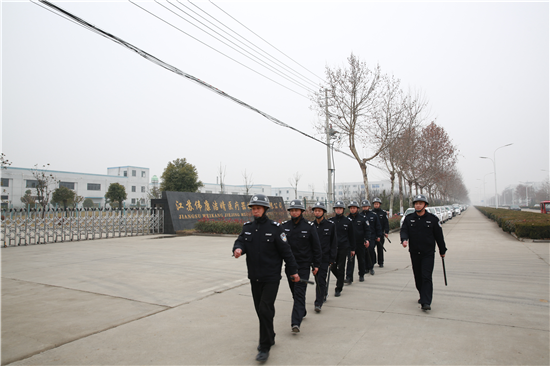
(83, 103)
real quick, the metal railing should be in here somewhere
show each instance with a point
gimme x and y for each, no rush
(36, 226)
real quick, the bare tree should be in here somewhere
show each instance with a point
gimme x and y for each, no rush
(346, 192)
(221, 175)
(312, 187)
(294, 183)
(4, 162)
(248, 182)
(44, 183)
(368, 106)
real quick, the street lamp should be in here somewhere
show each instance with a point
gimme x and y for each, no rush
(484, 198)
(495, 170)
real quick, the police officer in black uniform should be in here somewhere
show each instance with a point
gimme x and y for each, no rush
(346, 242)
(362, 235)
(304, 242)
(326, 230)
(383, 216)
(375, 233)
(421, 230)
(265, 245)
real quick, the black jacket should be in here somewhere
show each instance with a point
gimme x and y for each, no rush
(423, 232)
(265, 245)
(304, 242)
(326, 230)
(384, 222)
(375, 227)
(344, 232)
(362, 228)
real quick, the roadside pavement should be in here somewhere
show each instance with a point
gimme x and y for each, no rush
(184, 300)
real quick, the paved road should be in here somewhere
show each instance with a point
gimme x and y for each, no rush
(184, 300)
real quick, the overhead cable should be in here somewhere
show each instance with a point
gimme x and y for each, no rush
(248, 54)
(212, 48)
(266, 41)
(266, 54)
(175, 70)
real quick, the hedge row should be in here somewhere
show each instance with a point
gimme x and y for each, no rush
(395, 222)
(530, 225)
(222, 226)
(234, 226)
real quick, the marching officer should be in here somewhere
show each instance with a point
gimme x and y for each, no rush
(346, 242)
(384, 222)
(266, 246)
(326, 230)
(362, 235)
(422, 230)
(375, 233)
(304, 242)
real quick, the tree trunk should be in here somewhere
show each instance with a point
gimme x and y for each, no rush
(400, 178)
(410, 193)
(363, 167)
(392, 180)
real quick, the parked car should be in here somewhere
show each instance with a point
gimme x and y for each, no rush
(515, 208)
(408, 211)
(442, 215)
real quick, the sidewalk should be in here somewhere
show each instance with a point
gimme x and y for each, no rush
(185, 300)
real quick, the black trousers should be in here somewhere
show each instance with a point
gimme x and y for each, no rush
(298, 290)
(380, 250)
(423, 267)
(321, 284)
(360, 255)
(264, 295)
(338, 268)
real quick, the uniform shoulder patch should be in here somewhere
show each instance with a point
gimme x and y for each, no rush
(349, 219)
(275, 223)
(330, 221)
(248, 223)
(310, 222)
(284, 222)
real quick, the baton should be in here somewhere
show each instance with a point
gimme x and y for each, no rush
(306, 281)
(444, 272)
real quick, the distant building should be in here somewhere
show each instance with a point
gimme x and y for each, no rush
(15, 181)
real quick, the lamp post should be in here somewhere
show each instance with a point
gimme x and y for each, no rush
(495, 170)
(484, 197)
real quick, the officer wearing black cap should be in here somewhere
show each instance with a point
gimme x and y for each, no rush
(266, 246)
(375, 233)
(421, 230)
(362, 235)
(326, 230)
(304, 242)
(383, 216)
(346, 242)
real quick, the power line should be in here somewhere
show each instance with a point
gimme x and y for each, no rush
(282, 64)
(212, 48)
(266, 41)
(66, 15)
(262, 63)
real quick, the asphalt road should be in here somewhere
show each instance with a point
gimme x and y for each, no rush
(185, 300)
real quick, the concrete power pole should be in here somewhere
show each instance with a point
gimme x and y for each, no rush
(329, 181)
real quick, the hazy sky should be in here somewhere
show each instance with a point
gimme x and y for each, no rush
(83, 103)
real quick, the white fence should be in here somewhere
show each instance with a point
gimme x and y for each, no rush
(22, 227)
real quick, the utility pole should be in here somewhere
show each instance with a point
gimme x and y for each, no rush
(329, 181)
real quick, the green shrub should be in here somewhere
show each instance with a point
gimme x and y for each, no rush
(395, 222)
(221, 226)
(524, 224)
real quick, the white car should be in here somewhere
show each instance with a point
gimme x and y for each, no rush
(408, 211)
(441, 213)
